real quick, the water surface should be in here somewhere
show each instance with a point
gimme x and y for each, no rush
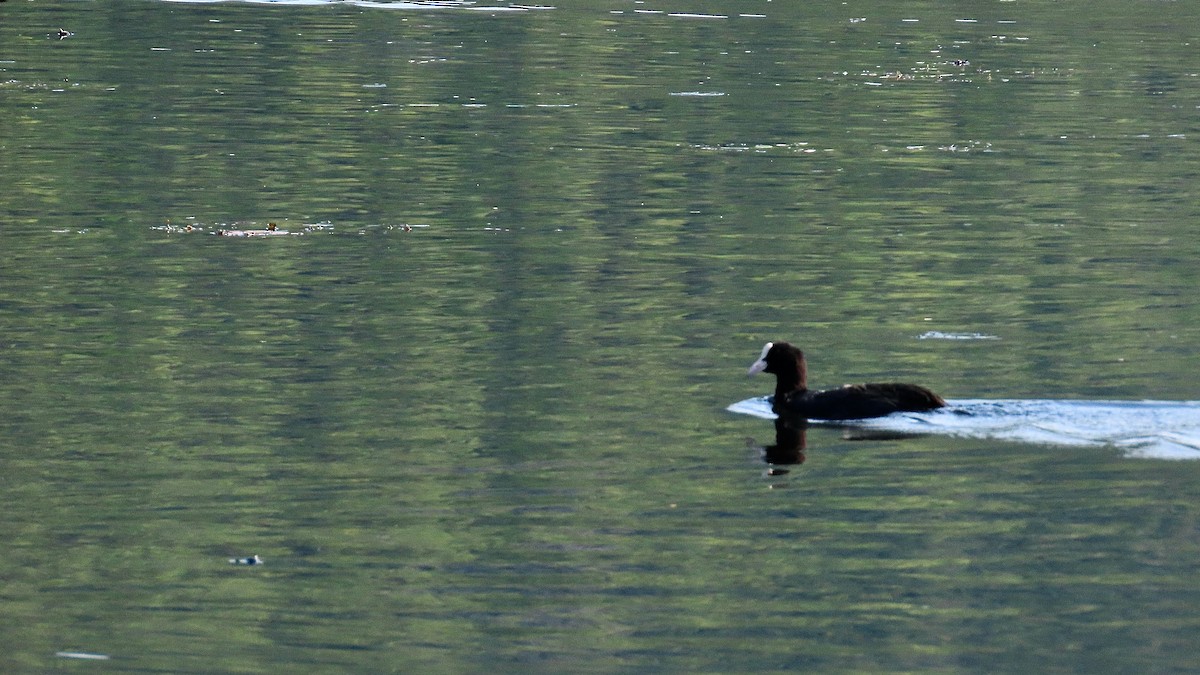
(470, 412)
(1146, 429)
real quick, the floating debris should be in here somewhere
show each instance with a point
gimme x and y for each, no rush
(271, 231)
(171, 227)
(251, 560)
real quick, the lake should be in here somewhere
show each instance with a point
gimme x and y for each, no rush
(467, 400)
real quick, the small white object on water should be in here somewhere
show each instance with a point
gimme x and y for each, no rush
(82, 655)
(939, 335)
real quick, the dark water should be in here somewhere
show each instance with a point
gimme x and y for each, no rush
(470, 410)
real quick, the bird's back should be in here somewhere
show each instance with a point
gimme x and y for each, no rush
(858, 401)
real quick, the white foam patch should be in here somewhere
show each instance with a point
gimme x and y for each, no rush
(1146, 429)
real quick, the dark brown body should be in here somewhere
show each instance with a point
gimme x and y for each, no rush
(853, 401)
(857, 401)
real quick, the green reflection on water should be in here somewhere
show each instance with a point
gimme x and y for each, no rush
(497, 441)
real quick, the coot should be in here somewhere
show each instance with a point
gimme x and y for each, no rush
(853, 401)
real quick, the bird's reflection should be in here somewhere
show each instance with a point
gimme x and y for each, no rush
(790, 443)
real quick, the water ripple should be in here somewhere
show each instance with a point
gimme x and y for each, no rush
(442, 4)
(1150, 429)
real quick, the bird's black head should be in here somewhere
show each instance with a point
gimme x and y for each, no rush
(786, 362)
